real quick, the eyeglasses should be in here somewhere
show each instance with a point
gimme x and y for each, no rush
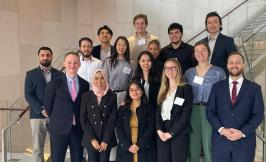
(173, 68)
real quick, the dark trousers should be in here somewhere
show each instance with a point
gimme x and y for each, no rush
(59, 144)
(175, 149)
(95, 156)
(228, 154)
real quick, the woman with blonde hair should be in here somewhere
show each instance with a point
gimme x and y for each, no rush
(173, 114)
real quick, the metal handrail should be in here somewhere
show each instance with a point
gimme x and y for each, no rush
(221, 18)
(4, 151)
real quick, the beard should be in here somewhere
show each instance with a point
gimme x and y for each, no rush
(87, 55)
(45, 63)
(239, 72)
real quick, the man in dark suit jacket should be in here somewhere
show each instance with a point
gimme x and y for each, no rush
(62, 103)
(221, 46)
(35, 84)
(105, 49)
(235, 109)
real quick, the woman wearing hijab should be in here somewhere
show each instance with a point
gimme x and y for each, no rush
(97, 116)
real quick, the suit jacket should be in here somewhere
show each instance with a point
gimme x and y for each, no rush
(60, 107)
(98, 120)
(224, 45)
(35, 85)
(96, 51)
(145, 130)
(179, 122)
(245, 116)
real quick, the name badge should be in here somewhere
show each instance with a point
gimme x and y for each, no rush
(179, 101)
(126, 70)
(141, 41)
(198, 80)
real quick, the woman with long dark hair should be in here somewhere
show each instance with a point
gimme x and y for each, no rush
(119, 68)
(134, 126)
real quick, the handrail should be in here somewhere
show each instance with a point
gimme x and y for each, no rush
(8, 109)
(221, 18)
(4, 155)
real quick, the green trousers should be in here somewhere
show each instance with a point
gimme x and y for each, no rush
(201, 135)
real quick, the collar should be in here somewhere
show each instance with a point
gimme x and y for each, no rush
(212, 39)
(46, 69)
(239, 80)
(146, 36)
(71, 78)
(91, 60)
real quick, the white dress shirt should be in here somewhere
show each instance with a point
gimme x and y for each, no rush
(238, 85)
(211, 43)
(88, 67)
(167, 106)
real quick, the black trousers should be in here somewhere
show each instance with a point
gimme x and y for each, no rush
(95, 156)
(175, 149)
(59, 144)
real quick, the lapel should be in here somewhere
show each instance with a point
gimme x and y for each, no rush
(103, 100)
(65, 86)
(242, 91)
(40, 75)
(227, 88)
(95, 103)
(216, 46)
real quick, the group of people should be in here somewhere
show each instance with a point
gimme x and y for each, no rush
(136, 102)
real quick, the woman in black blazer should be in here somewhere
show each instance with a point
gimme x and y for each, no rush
(134, 126)
(175, 101)
(97, 116)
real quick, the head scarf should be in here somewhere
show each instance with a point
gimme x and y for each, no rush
(99, 93)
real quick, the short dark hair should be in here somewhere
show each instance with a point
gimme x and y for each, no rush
(140, 16)
(236, 53)
(44, 48)
(212, 14)
(105, 27)
(175, 26)
(71, 53)
(85, 39)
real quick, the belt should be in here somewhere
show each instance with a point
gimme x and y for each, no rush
(201, 103)
(117, 91)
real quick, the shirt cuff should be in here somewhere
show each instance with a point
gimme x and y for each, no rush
(220, 129)
(244, 136)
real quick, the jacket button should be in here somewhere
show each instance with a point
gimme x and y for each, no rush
(95, 123)
(92, 106)
(94, 115)
(104, 106)
(101, 122)
(103, 114)
(232, 114)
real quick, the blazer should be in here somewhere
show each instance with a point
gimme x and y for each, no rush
(179, 122)
(60, 107)
(96, 51)
(145, 130)
(224, 45)
(98, 120)
(34, 90)
(245, 116)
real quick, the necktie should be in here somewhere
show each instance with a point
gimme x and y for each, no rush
(73, 90)
(73, 96)
(234, 90)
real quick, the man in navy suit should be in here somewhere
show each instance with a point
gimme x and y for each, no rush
(35, 84)
(62, 103)
(221, 46)
(235, 109)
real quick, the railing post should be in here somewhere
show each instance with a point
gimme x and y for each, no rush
(4, 151)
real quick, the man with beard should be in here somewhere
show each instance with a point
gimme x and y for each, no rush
(88, 63)
(235, 109)
(35, 84)
(183, 52)
(220, 45)
(105, 49)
